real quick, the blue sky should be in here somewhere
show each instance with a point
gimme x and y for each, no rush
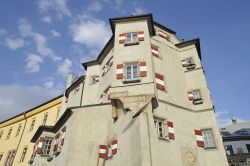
(42, 40)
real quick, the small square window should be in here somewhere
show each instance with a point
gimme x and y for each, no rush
(197, 97)
(131, 38)
(208, 138)
(190, 63)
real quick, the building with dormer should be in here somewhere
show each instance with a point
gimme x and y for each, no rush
(143, 102)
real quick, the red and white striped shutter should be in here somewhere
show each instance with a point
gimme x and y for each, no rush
(122, 38)
(199, 138)
(155, 51)
(119, 71)
(143, 69)
(190, 95)
(159, 79)
(171, 134)
(63, 135)
(162, 33)
(184, 63)
(56, 141)
(103, 151)
(97, 78)
(141, 35)
(114, 146)
(40, 145)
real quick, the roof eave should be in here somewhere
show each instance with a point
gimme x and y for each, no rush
(195, 41)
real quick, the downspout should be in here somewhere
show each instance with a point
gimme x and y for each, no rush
(24, 115)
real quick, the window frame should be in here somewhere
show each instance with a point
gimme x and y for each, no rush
(132, 42)
(45, 119)
(1, 134)
(32, 124)
(164, 128)
(24, 152)
(9, 133)
(205, 138)
(51, 139)
(133, 78)
(12, 155)
(190, 65)
(18, 130)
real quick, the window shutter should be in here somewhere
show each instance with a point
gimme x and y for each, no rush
(122, 38)
(119, 71)
(141, 35)
(184, 63)
(96, 78)
(40, 145)
(155, 51)
(159, 79)
(171, 134)
(190, 95)
(143, 69)
(103, 151)
(114, 146)
(63, 135)
(56, 141)
(199, 138)
(162, 33)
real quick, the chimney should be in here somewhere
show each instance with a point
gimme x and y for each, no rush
(69, 80)
(234, 120)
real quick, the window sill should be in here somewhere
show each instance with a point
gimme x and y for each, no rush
(210, 148)
(163, 139)
(131, 81)
(191, 66)
(131, 43)
(198, 101)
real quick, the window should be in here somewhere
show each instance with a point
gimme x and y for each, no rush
(18, 130)
(208, 138)
(160, 127)
(45, 119)
(94, 79)
(10, 158)
(248, 148)
(229, 150)
(190, 63)
(197, 97)
(47, 145)
(239, 150)
(1, 134)
(32, 124)
(9, 133)
(1, 156)
(131, 37)
(23, 154)
(132, 71)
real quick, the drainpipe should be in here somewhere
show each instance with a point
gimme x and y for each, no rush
(82, 90)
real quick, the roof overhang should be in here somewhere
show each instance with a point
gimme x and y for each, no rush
(74, 84)
(236, 138)
(195, 42)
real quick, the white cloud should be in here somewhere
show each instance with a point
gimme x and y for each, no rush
(15, 99)
(138, 10)
(47, 19)
(91, 32)
(224, 118)
(49, 84)
(33, 63)
(65, 67)
(25, 29)
(95, 6)
(2, 32)
(55, 33)
(57, 6)
(14, 44)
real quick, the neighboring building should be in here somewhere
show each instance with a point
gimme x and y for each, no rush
(16, 132)
(236, 140)
(143, 102)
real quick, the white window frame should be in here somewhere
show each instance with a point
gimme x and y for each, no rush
(47, 146)
(45, 118)
(161, 128)
(209, 141)
(18, 130)
(24, 152)
(132, 39)
(9, 133)
(133, 77)
(197, 94)
(32, 125)
(10, 158)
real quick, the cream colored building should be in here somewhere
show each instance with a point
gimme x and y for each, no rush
(16, 132)
(143, 102)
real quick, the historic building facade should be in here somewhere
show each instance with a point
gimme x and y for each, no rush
(143, 102)
(16, 132)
